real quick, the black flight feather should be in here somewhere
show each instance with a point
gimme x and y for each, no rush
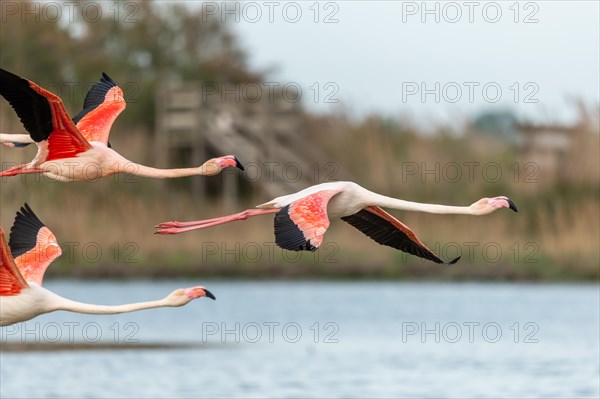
(23, 234)
(32, 108)
(95, 96)
(385, 233)
(288, 235)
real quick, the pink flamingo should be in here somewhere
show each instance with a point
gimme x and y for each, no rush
(302, 218)
(67, 152)
(23, 262)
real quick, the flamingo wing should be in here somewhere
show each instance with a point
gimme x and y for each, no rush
(102, 105)
(33, 245)
(96, 96)
(11, 280)
(385, 229)
(44, 116)
(300, 226)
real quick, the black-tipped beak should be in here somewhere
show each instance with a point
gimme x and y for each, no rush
(453, 261)
(512, 205)
(209, 294)
(238, 164)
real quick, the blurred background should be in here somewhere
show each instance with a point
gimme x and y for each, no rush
(437, 102)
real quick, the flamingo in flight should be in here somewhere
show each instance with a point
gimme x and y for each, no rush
(301, 219)
(69, 152)
(23, 261)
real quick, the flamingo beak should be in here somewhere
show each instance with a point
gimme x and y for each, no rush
(209, 294)
(511, 205)
(198, 292)
(238, 164)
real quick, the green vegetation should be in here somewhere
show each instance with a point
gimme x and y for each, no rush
(146, 45)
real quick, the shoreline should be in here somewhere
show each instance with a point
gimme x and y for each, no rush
(405, 272)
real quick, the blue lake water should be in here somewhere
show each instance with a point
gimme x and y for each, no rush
(317, 339)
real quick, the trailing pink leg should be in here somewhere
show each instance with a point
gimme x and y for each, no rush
(182, 227)
(19, 170)
(198, 222)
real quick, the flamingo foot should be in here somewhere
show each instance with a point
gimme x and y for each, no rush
(165, 231)
(166, 225)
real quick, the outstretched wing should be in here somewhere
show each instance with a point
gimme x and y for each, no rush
(93, 123)
(11, 280)
(301, 225)
(102, 105)
(43, 115)
(32, 244)
(387, 230)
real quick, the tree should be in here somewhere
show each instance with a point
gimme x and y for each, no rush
(139, 44)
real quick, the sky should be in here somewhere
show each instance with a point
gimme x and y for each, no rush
(433, 62)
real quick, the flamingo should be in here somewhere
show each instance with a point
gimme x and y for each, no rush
(93, 98)
(301, 219)
(67, 152)
(23, 261)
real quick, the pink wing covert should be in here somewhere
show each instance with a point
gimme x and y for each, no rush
(102, 105)
(33, 245)
(302, 224)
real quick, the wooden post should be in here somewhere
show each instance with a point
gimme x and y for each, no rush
(161, 138)
(198, 146)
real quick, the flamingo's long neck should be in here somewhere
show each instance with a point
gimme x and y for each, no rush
(79, 307)
(394, 203)
(148, 171)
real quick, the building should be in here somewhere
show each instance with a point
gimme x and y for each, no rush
(268, 135)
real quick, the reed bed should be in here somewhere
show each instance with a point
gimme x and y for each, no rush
(555, 235)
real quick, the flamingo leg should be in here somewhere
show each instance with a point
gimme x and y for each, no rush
(222, 219)
(19, 170)
(182, 227)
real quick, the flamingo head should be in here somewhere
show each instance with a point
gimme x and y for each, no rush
(216, 165)
(183, 296)
(489, 205)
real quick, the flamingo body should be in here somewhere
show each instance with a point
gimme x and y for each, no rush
(347, 198)
(93, 163)
(31, 302)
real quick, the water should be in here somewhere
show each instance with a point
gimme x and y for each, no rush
(315, 339)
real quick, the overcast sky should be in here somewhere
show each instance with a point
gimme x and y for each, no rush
(460, 58)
